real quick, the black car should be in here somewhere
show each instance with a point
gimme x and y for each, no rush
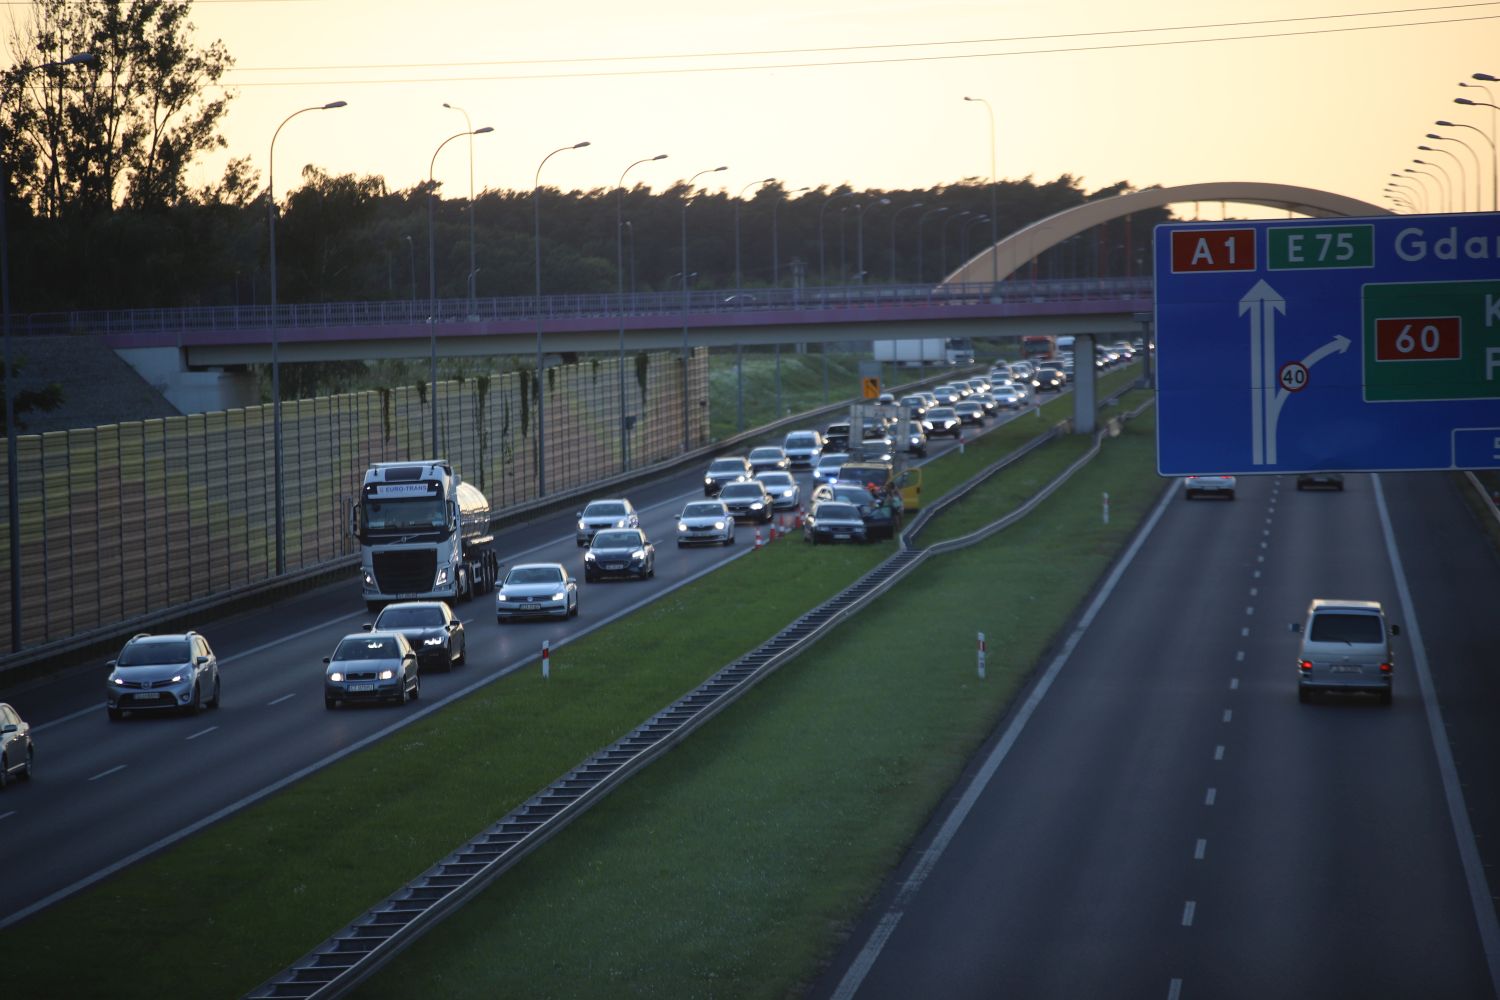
(723, 471)
(435, 634)
(945, 422)
(1048, 380)
(623, 552)
(748, 501)
(832, 521)
(836, 438)
(881, 513)
(1322, 480)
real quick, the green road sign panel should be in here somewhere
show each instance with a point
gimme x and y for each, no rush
(1432, 340)
(1300, 247)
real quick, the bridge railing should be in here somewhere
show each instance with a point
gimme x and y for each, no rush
(406, 312)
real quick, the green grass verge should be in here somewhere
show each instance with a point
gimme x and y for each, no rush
(736, 864)
(257, 890)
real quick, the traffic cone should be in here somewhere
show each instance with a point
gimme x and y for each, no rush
(799, 516)
(757, 539)
(771, 532)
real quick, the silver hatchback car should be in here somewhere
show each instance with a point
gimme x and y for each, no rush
(1345, 647)
(162, 672)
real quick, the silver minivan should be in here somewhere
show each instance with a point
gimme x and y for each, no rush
(1345, 647)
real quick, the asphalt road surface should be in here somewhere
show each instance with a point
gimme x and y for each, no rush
(1166, 820)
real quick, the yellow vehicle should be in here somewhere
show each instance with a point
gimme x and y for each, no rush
(882, 478)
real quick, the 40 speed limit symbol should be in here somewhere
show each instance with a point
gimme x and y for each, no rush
(1293, 376)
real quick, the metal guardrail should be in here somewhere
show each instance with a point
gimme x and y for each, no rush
(362, 947)
(407, 312)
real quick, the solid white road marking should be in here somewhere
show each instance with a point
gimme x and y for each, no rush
(1200, 849)
(1208, 799)
(283, 698)
(105, 774)
(202, 732)
(7, 815)
(1458, 813)
(1188, 909)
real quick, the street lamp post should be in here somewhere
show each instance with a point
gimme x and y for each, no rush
(1436, 182)
(12, 458)
(1447, 182)
(473, 271)
(994, 214)
(1494, 156)
(739, 281)
(822, 266)
(276, 336)
(859, 237)
(943, 244)
(411, 253)
(894, 216)
(1494, 173)
(620, 287)
(775, 248)
(1478, 167)
(432, 318)
(1462, 182)
(922, 221)
(1415, 187)
(686, 201)
(963, 235)
(541, 407)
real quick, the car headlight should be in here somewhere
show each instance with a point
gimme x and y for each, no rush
(638, 555)
(719, 525)
(501, 598)
(337, 677)
(387, 674)
(582, 526)
(117, 681)
(757, 505)
(558, 596)
(589, 556)
(681, 526)
(622, 523)
(442, 578)
(432, 641)
(178, 678)
(369, 579)
(787, 493)
(708, 480)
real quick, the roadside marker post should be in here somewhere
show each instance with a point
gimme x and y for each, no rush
(1106, 508)
(981, 656)
(546, 658)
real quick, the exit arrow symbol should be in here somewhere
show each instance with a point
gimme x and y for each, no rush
(1338, 345)
(1262, 302)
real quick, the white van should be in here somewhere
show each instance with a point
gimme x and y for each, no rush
(1345, 647)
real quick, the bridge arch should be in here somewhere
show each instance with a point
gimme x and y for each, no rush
(1019, 247)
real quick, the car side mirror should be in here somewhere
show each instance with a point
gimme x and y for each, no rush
(1295, 627)
(1395, 630)
(327, 659)
(110, 664)
(201, 660)
(367, 627)
(453, 625)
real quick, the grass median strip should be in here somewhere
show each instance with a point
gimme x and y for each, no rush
(734, 865)
(256, 891)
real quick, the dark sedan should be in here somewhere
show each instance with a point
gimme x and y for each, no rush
(723, 471)
(620, 553)
(748, 501)
(945, 422)
(434, 632)
(371, 666)
(831, 521)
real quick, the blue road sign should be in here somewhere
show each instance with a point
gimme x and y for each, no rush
(1328, 345)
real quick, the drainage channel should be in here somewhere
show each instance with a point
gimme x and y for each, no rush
(360, 948)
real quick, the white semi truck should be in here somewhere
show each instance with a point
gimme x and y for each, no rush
(926, 351)
(423, 534)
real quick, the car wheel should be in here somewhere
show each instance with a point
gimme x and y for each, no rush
(681, 544)
(194, 706)
(214, 701)
(1231, 494)
(30, 763)
(1385, 697)
(1303, 695)
(4, 772)
(463, 654)
(499, 619)
(328, 703)
(416, 687)
(115, 714)
(730, 539)
(573, 611)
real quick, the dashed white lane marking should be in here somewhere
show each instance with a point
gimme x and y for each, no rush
(1256, 574)
(1234, 683)
(1245, 631)
(1200, 849)
(7, 815)
(202, 732)
(1239, 657)
(1265, 545)
(1260, 558)
(1188, 909)
(1250, 610)
(1218, 753)
(105, 774)
(1228, 714)
(1254, 591)
(283, 698)
(1266, 532)
(1174, 990)
(1208, 799)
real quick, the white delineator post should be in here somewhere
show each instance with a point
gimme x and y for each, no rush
(981, 656)
(546, 658)
(1106, 508)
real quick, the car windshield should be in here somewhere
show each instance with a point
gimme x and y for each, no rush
(146, 654)
(534, 574)
(765, 455)
(1335, 627)
(724, 466)
(856, 495)
(410, 618)
(801, 441)
(832, 461)
(737, 491)
(780, 480)
(703, 510)
(941, 412)
(366, 647)
(618, 540)
(604, 508)
(838, 512)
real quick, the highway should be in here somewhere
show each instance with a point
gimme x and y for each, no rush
(107, 793)
(1166, 820)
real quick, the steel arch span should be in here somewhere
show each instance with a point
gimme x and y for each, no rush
(1021, 246)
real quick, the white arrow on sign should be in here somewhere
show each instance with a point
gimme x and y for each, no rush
(1338, 345)
(1262, 302)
